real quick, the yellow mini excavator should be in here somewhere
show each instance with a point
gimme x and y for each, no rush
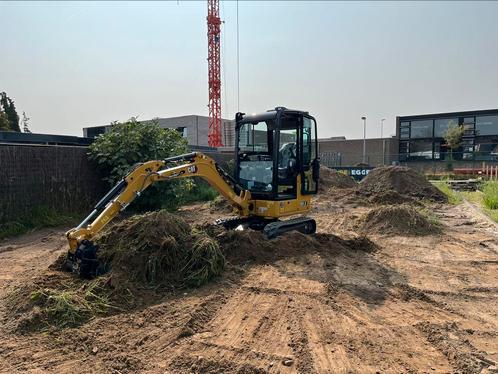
(276, 172)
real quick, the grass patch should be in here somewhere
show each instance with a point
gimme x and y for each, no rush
(38, 218)
(490, 194)
(454, 197)
(477, 198)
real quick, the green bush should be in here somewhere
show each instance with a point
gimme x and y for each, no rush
(490, 194)
(201, 191)
(131, 142)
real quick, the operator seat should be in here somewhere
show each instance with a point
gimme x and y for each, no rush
(287, 152)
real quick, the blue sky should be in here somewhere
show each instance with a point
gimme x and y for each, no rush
(76, 64)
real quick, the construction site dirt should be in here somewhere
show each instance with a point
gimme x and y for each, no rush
(357, 297)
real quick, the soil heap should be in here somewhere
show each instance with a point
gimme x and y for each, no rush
(160, 248)
(332, 179)
(397, 220)
(388, 183)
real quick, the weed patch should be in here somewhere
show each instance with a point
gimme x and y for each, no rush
(38, 218)
(490, 195)
(453, 197)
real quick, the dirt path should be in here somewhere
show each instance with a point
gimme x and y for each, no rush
(415, 305)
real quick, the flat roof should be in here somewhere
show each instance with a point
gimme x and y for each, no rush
(481, 112)
(35, 138)
(158, 119)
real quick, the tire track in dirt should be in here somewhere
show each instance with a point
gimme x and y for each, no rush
(451, 341)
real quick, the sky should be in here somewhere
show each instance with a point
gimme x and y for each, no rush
(70, 65)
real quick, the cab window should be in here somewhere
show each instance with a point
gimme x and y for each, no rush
(309, 155)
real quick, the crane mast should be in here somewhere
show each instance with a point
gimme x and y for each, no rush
(214, 73)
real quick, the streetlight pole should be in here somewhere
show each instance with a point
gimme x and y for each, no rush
(383, 141)
(364, 159)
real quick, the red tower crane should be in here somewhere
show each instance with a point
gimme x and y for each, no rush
(214, 73)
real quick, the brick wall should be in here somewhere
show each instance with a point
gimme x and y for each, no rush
(57, 177)
(349, 152)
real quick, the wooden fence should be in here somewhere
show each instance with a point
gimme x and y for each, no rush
(56, 177)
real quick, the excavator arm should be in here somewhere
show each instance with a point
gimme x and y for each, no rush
(142, 176)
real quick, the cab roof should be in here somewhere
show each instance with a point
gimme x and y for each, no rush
(265, 116)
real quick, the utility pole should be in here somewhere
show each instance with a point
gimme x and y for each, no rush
(383, 141)
(364, 158)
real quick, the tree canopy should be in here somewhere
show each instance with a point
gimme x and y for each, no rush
(131, 142)
(9, 114)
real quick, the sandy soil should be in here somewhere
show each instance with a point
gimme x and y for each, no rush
(414, 305)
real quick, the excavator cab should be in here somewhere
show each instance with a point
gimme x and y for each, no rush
(277, 154)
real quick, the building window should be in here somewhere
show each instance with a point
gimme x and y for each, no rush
(404, 130)
(403, 151)
(420, 150)
(486, 149)
(182, 130)
(487, 125)
(441, 125)
(421, 129)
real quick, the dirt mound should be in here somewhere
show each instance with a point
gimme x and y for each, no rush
(160, 248)
(397, 220)
(220, 205)
(332, 179)
(402, 180)
(389, 197)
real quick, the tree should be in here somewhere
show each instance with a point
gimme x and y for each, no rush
(131, 142)
(8, 107)
(25, 122)
(4, 122)
(453, 137)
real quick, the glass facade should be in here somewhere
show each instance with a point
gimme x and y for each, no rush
(422, 137)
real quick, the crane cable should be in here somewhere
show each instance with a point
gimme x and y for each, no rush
(238, 74)
(223, 65)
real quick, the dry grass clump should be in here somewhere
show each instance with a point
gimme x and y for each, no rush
(71, 306)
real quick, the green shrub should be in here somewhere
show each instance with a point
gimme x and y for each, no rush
(490, 194)
(201, 191)
(131, 142)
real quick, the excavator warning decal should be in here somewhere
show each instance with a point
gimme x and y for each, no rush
(192, 169)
